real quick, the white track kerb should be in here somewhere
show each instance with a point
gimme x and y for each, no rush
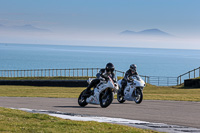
(134, 123)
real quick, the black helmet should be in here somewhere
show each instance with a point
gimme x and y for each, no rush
(110, 67)
(133, 67)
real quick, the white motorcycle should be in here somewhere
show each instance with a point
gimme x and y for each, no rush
(102, 94)
(133, 90)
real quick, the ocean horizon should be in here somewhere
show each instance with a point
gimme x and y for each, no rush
(149, 61)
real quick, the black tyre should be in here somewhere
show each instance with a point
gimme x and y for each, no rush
(120, 98)
(82, 99)
(106, 98)
(138, 96)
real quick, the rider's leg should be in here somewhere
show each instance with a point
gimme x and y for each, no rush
(92, 84)
(124, 83)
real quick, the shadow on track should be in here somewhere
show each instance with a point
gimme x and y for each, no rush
(74, 107)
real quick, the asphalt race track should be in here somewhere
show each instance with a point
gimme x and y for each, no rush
(181, 113)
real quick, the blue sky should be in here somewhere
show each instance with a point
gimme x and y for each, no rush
(73, 21)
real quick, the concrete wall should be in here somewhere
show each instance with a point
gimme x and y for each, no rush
(193, 83)
(59, 83)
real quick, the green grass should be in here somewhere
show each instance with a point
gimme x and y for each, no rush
(23, 122)
(177, 93)
(34, 91)
(151, 92)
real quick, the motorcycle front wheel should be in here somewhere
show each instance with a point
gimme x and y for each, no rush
(138, 96)
(106, 98)
(82, 99)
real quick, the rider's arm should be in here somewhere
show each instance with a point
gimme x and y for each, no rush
(126, 75)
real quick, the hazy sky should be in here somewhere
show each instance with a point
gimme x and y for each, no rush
(99, 22)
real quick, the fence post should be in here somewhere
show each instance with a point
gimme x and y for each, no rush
(73, 72)
(53, 73)
(49, 72)
(56, 72)
(180, 79)
(65, 73)
(92, 72)
(77, 73)
(158, 81)
(82, 72)
(69, 72)
(60, 72)
(194, 73)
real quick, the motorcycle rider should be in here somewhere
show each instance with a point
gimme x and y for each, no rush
(102, 75)
(129, 73)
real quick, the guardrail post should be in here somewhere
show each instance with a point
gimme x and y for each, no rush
(87, 72)
(49, 73)
(177, 81)
(199, 71)
(189, 74)
(145, 79)
(167, 81)
(41, 73)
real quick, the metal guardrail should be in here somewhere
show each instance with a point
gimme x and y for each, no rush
(75, 72)
(188, 75)
(82, 72)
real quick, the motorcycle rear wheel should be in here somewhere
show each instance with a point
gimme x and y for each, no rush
(82, 99)
(120, 98)
(105, 100)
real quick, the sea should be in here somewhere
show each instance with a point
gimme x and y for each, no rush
(149, 61)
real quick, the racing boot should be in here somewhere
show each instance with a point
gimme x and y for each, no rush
(88, 90)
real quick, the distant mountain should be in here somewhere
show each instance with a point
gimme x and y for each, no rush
(26, 27)
(148, 32)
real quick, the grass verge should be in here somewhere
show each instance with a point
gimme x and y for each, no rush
(20, 121)
(151, 92)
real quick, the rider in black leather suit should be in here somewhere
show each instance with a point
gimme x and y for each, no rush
(129, 73)
(103, 74)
